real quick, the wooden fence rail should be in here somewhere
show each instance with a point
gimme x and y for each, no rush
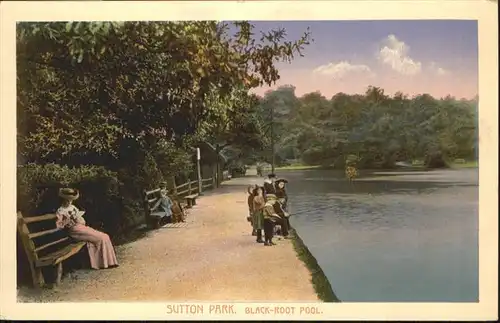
(192, 187)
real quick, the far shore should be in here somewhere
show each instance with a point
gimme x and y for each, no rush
(469, 164)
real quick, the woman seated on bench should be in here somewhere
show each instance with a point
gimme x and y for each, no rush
(164, 206)
(101, 252)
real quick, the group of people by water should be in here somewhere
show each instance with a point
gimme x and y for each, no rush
(267, 206)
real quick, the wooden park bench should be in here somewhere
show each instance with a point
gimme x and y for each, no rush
(56, 247)
(185, 195)
(190, 194)
(151, 202)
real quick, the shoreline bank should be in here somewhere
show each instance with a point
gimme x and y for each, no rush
(451, 166)
(321, 284)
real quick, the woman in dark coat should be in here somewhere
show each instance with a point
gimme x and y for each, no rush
(283, 200)
(281, 191)
(269, 187)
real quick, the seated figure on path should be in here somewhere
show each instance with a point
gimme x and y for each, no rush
(178, 212)
(69, 217)
(351, 172)
(259, 170)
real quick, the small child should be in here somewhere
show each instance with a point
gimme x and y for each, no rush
(178, 212)
(259, 203)
(250, 208)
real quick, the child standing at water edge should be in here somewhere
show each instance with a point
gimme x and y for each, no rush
(270, 219)
(250, 190)
(258, 216)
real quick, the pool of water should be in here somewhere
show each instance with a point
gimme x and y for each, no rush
(391, 236)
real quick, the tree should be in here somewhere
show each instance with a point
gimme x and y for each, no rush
(99, 92)
(379, 130)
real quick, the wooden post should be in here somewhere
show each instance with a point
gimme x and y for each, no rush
(272, 139)
(217, 150)
(214, 177)
(174, 187)
(146, 208)
(189, 185)
(59, 272)
(29, 248)
(198, 157)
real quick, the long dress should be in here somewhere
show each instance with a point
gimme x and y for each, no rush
(258, 215)
(100, 249)
(250, 208)
(283, 200)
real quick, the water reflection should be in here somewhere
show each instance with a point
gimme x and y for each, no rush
(397, 236)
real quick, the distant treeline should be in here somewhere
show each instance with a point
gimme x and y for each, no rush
(374, 129)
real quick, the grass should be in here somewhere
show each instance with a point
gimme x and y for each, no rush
(459, 163)
(468, 164)
(298, 167)
(319, 280)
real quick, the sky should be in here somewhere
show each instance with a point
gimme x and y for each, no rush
(438, 57)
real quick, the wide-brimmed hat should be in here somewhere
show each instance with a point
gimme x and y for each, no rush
(256, 187)
(272, 175)
(251, 188)
(281, 180)
(69, 194)
(271, 197)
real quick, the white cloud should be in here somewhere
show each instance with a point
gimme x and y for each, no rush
(441, 71)
(342, 69)
(438, 70)
(395, 53)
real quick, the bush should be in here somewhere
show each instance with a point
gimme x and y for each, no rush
(37, 193)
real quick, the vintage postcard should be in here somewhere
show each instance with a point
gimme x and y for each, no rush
(259, 160)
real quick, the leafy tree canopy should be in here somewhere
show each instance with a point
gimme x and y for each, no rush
(99, 89)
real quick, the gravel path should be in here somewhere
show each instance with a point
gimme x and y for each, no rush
(213, 257)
